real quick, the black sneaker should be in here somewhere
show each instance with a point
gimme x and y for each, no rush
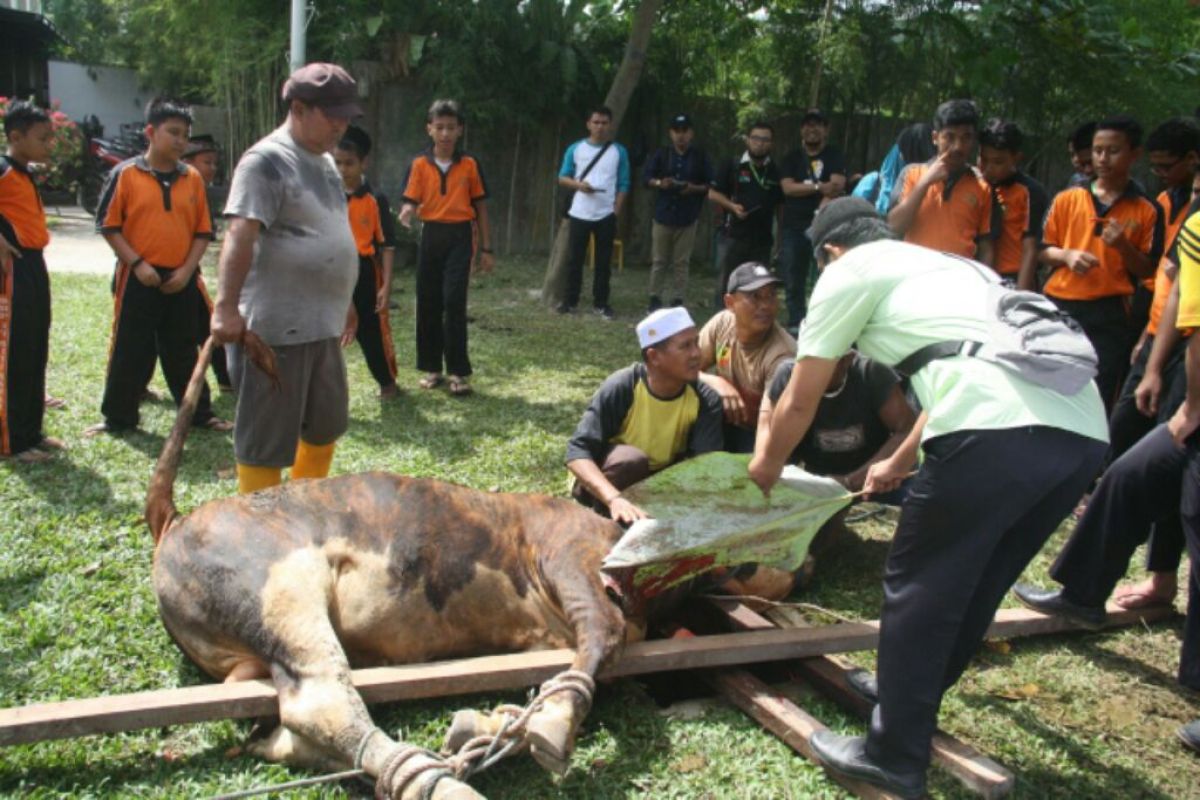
(563, 308)
(654, 305)
(606, 312)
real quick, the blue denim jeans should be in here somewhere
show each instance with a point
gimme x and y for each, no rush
(795, 264)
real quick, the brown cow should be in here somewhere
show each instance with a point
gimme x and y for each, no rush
(302, 582)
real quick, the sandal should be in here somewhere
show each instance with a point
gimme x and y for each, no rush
(51, 443)
(431, 381)
(459, 386)
(55, 402)
(217, 424)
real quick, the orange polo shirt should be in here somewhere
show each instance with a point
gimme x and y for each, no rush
(1174, 205)
(445, 196)
(159, 214)
(1071, 224)
(1018, 208)
(21, 205)
(954, 213)
(365, 222)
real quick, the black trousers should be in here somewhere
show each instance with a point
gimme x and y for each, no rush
(220, 366)
(24, 352)
(148, 324)
(1107, 325)
(1154, 483)
(738, 252)
(374, 334)
(979, 510)
(579, 231)
(443, 275)
(1127, 426)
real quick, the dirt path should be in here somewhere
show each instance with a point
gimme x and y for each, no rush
(74, 244)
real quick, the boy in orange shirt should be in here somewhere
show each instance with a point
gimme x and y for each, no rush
(1018, 203)
(446, 189)
(153, 212)
(1099, 239)
(24, 289)
(375, 237)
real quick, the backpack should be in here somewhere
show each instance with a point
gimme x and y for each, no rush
(1027, 334)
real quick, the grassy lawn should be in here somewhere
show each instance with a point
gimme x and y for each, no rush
(1084, 716)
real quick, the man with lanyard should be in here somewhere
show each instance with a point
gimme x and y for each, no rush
(749, 192)
(813, 174)
(681, 174)
(1005, 460)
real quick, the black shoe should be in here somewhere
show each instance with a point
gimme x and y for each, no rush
(654, 305)
(606, 312)
(1052, 602)
(1190, 735)
(846, 755)
(563, 308)
(863, 683)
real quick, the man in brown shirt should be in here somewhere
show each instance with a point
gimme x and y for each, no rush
(746, 345)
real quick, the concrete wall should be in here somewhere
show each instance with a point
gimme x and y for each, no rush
(113, 94)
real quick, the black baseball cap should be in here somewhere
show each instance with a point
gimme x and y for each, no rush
(814, 115)
(750, 276)
(680, 122)
(840, 212)
(327, 86)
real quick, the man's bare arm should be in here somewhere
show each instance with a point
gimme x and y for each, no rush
(236, 257)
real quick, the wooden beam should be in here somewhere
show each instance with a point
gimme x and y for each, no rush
(778, 715)
(489, 673)
(827, 674)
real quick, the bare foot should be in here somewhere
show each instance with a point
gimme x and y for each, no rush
(51, 443)
(1156, 590)
(388, 392)
(55, 402)
(31, 456)
(217, 424)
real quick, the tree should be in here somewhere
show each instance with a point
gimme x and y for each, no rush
(619, 93)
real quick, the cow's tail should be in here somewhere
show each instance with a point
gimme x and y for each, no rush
(160, 498)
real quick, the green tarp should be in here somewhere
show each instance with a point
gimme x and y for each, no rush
(707, 513)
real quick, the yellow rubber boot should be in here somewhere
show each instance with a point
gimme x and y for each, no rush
(251, 479)
(312, 460)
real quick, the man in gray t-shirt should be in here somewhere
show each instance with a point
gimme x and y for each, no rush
(287, 272)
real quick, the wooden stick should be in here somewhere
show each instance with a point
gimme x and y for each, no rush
(489, 673)
(827, 674)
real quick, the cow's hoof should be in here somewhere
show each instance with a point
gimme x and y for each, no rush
(466, 725)
(551, 737)
(451, 789)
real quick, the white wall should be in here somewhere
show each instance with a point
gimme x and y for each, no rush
(34, 6)
(113, 94)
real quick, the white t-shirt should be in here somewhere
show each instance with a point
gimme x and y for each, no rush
(609, 177)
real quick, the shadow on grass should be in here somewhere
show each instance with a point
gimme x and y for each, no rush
(64, 483)
(1092, 777)
(20, 590)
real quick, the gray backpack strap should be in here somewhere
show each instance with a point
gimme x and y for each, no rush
(914, 362)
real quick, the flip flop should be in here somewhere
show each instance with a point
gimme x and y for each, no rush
(51, 443)
(55, 402)
(459, 386)
(31, 456)
(431, 381)
(217, 424)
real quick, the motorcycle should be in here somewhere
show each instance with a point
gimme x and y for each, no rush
(101, 154)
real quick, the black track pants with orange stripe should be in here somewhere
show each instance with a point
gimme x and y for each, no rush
(24, 351)
(204, 311)
(374, 333)
(148, 324)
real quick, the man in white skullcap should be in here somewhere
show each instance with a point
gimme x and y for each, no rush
(645, 417)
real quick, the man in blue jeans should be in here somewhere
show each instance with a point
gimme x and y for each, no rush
(813, 174)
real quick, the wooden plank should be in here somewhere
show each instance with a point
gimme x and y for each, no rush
(489, 673)
(978, 773)
(827, 674)
(778, 715)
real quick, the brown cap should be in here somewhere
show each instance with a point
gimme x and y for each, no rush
(327, 86)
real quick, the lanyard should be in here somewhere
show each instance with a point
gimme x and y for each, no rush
(757, 178)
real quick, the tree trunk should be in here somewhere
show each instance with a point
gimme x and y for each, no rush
(815, 92)
(512, 196)
(619, 94)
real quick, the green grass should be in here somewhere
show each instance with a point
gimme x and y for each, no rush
(1094, 714)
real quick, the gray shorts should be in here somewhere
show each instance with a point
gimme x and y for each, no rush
(312, 403)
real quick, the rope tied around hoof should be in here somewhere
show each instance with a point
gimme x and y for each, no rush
(400, 769)
(483, 751)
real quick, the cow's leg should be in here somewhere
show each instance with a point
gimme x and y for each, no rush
(318, 703)
(599, 632)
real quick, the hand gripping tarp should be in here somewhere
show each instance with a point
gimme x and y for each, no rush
(707, 513)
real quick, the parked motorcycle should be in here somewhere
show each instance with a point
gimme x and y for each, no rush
(101, 154)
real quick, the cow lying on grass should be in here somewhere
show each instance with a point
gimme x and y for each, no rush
(301, 582)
